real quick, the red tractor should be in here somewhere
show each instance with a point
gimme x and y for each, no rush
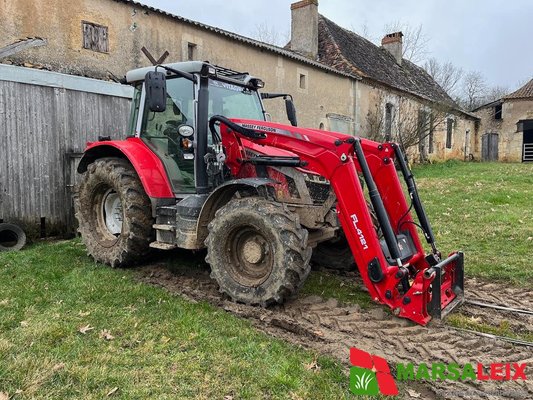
(203, 168)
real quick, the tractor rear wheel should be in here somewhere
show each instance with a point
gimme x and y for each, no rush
(114, 213)
(257, 251)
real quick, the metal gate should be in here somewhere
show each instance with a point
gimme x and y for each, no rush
(489, 147)
(527, 150)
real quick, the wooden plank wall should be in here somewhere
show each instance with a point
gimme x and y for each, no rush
(42, 130)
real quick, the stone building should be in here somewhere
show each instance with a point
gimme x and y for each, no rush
(506, 127)
(339, 80)
(395, 98)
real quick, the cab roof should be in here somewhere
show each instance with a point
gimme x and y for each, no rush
(192, 67)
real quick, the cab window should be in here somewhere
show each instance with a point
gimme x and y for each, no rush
(159, 130)
(233, 101)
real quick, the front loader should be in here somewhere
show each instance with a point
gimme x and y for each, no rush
(203, 168)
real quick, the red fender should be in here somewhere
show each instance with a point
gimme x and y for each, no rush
(146, 163)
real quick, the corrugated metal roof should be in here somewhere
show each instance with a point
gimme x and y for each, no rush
(37, 77)
(275, 49)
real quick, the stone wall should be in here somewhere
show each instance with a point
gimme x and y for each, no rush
(130, 27)
(509, 140)
(371, 122)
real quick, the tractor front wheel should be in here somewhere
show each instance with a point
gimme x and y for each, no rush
(114, 213)
(257, 251)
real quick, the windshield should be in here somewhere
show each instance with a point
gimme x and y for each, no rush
(233, 101)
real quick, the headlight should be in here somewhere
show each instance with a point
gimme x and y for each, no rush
(257, 83)
(186, 131)
(315, 179)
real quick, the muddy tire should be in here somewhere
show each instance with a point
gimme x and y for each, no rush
(257, 251)
(12, 237)
(114, 213)
(334, 254)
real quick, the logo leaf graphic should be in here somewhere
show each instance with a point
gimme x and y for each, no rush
(362, 381)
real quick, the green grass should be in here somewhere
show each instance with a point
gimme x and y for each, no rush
(165, 347)
(485, 210)
(459, 320)
(482, 209)
(328, 285)
(161, 347)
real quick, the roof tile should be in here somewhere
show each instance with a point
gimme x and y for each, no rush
(524, 92)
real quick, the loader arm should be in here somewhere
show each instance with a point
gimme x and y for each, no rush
(414, 286)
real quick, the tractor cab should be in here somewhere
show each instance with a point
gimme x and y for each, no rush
(177, 125)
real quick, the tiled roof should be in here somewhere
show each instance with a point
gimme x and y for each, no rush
(346, 51)
(524, 92)
(240, 38)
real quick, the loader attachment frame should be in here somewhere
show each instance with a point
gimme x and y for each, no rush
(396, 269)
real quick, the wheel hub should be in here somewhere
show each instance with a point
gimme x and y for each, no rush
(250, 256)
(252, 252)
(112, 208)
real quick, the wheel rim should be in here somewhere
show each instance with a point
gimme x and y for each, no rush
(251, 257)
(112, 212)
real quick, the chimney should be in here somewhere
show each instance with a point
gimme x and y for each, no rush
(393, 44)
(304, 28)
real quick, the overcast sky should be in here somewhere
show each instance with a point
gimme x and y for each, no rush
(489, 36)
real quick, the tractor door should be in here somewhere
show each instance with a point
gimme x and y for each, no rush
(159, 130)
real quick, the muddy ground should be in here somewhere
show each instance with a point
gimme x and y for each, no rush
(331, 328)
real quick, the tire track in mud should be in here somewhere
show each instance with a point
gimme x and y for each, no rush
(492, 292)
(331, 328)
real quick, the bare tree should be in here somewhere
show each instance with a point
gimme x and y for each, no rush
(414, 123)
(495, 93)
(268, 34)
(474, 90)
(415, 41)
(446, 75)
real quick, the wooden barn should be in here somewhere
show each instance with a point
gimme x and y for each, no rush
(46, 118)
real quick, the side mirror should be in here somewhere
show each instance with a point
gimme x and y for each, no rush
(291, 111)
(156, 91)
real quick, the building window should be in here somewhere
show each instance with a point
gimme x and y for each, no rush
(95, 37)
(321, 126)
(449, 131)
(191, 51)
(303, 81)
(388, 122)
(498, 111)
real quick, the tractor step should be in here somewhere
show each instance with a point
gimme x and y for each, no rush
(164, 227)
(162, 246)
